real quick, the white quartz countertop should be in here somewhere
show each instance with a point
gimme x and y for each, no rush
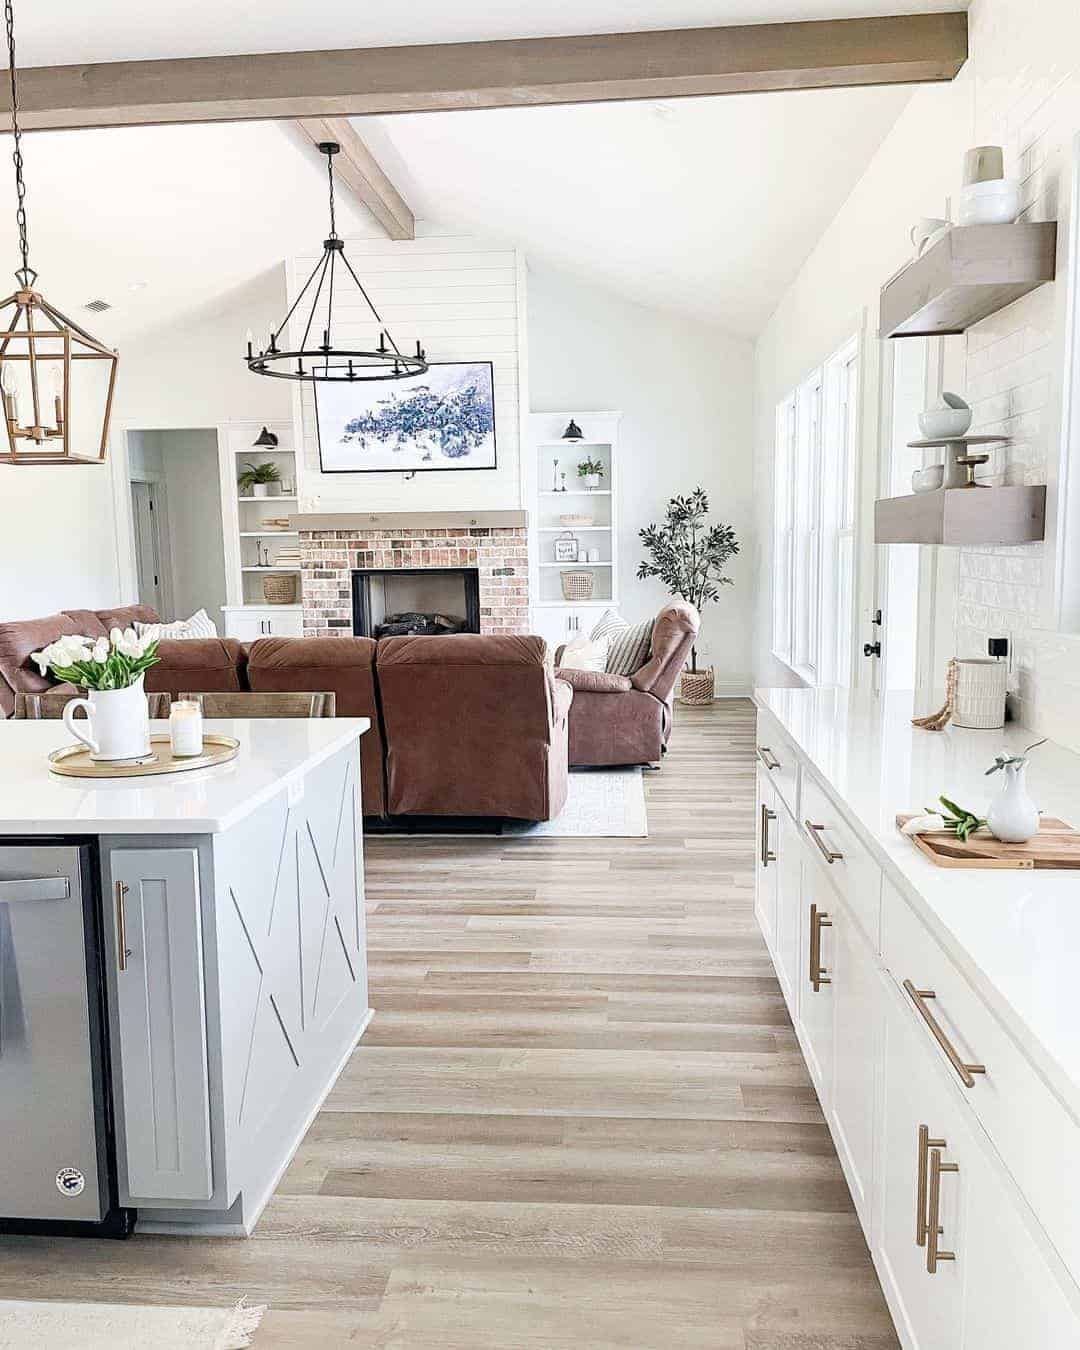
(274, 753)
(1015, 934)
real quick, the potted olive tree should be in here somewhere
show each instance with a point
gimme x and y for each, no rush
(689, 556)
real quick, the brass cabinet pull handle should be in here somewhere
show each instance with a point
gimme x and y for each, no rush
(829, 854)
(921, 1222)
(819, 919)
(964, 1071)
(767, 856)
(768, 758)
(122, 949)
(934, 1230)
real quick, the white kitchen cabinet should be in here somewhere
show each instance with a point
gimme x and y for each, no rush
(857, 996)
(817, 943)
(946, 1124)
(154, 938)
(247, 623)
(767, 859)
(1013, 1296)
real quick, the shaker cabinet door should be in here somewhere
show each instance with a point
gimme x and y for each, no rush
(857, 1010)
(816, 977)
(154, 934)
(767, 866)
(789, 851)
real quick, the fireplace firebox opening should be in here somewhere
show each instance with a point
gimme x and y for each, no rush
(389, 602)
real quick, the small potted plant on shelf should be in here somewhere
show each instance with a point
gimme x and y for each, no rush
(590, 471)
(260, 480)
(689, 556)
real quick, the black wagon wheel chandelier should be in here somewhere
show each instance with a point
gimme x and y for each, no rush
(315, 362)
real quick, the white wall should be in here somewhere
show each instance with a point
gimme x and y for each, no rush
(463, 298)
(685, 390)
(1020, 88)
(193, 492)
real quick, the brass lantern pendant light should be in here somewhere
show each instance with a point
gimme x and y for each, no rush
(312, 361)
(56, 380)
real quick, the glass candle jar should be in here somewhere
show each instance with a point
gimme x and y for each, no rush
(186, 729)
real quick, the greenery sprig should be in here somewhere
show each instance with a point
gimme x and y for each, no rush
(1003, 761)
(266, 472)
(958, 819)
(588, 466)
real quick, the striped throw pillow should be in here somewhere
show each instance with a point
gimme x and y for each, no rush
(629, 645)
(200, 625)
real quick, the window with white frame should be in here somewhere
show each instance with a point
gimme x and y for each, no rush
(816, 470)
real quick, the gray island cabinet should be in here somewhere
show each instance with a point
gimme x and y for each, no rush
(234, 954)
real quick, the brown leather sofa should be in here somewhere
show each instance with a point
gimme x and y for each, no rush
(619, 719)
(463, 726)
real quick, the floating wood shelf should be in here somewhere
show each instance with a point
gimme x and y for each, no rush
(970, 273)
(979, 515)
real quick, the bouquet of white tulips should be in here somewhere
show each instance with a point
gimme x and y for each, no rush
(115, 662)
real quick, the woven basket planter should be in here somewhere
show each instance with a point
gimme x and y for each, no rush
(279, 589)
(980, 693)
(577, 585)
(698, 687)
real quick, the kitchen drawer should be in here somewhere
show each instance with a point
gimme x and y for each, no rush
(779, 758)
(1037, 1139)
(852, 870)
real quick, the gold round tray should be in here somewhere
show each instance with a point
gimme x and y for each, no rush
(73, 761)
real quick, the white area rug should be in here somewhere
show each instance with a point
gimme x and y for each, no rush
(601, 803)
(118, 1326)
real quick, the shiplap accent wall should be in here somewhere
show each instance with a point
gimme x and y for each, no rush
(464, 298)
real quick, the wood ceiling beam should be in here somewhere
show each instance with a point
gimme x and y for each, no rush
(670, 63)
(359, 170)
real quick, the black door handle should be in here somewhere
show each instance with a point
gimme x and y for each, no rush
(871, 649)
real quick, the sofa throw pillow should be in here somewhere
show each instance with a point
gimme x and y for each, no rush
(585, 654)
(629, 644)
(200, 625)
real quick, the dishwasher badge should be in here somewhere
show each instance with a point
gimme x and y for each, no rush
(70, 1181)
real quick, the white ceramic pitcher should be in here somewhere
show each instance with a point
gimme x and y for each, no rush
(117, 722)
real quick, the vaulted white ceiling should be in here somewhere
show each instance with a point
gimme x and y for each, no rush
(61, 32)
(705, 205)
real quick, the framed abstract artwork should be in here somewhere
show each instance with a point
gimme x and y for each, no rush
(443, 419)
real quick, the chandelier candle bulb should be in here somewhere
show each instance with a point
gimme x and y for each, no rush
(186, 728)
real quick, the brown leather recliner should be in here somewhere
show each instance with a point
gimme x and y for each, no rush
(343, 666)
(475, 726)
(619, 719)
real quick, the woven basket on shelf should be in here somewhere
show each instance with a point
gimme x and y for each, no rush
(698, 687)
(577, 585)
(279, 589)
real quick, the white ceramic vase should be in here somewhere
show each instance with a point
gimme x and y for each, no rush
(1013, 817)
(117, 722)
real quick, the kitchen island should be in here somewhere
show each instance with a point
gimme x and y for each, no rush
(224, 924)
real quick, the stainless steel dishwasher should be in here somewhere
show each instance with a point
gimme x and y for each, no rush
(57, 1162)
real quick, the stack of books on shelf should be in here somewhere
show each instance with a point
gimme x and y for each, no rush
(288, 556)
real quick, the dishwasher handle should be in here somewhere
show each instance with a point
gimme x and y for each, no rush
(36, 888)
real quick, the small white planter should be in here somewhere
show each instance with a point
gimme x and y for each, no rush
(265, 489)
(117, 724)
(592, 481)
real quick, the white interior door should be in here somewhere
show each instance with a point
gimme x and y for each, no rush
(148, 545)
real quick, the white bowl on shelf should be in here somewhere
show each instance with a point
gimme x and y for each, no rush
(947, 420)
(996, 202)
(928, 479)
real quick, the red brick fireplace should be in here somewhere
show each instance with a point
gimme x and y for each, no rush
(333, 546)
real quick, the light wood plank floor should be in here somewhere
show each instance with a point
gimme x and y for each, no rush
(579, 1119)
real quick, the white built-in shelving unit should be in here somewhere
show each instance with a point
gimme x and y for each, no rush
(548, 457)
(248, 541)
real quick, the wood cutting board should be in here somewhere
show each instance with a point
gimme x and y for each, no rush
(1057, 845)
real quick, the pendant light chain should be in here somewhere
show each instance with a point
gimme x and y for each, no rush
(26, 274)
(330, 177)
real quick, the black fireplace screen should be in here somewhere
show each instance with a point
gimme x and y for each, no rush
(391, 602)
